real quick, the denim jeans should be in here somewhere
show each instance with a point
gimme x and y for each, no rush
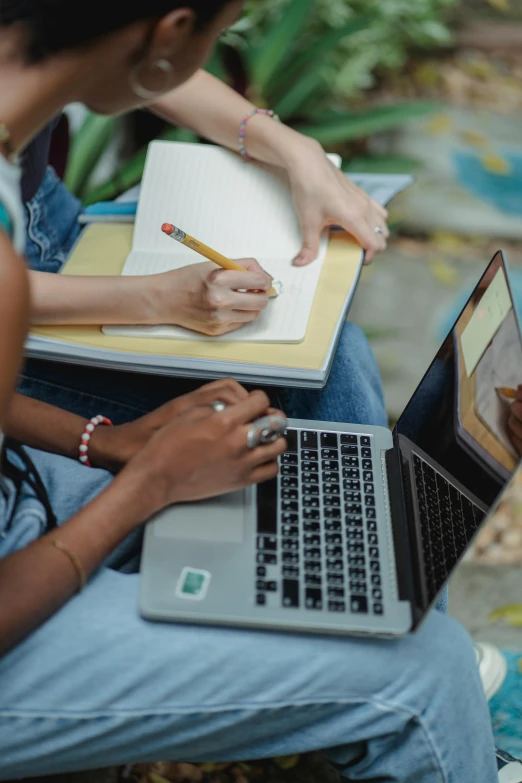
(97, 685)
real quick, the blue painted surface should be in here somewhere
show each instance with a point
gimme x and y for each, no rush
(506, 708)
(503, 191)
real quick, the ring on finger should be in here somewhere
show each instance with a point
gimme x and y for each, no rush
(266, 430)
(218, 406)
(378, 230)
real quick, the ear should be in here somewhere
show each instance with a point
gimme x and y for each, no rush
(171, 33)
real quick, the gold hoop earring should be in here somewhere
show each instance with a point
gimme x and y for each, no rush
(165, 68)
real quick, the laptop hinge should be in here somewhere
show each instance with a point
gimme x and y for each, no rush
(400, 527)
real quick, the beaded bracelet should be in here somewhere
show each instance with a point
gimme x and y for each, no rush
(86, 436)
(242, 128)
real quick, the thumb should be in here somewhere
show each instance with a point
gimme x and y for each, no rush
(310, 247)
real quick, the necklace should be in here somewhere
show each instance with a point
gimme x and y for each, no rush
(5, 141)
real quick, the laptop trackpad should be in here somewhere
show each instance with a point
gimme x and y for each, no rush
(216, 520)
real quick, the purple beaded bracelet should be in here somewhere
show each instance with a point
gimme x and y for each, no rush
(242, 129)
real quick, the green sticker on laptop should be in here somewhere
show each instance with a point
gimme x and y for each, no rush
(193, 584)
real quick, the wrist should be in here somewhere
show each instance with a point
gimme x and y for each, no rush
(158, 303)
(275, 143)
(104, 451)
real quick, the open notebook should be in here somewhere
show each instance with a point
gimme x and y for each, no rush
(239, 210)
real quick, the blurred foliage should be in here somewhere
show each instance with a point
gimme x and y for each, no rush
(305, 59)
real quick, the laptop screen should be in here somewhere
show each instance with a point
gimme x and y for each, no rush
(460, 414)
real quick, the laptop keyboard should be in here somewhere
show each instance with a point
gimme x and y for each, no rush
(325, 536)
(449, 520)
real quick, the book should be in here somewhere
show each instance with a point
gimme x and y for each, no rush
(242, 211)
(102, 250)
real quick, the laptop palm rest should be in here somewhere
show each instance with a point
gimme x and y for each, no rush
(218, 520)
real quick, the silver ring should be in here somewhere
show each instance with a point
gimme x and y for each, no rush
(378, 230)
(218, 406)
(266, 430)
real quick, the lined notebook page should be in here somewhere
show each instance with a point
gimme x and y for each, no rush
(241, 211)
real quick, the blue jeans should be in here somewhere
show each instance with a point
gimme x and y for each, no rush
(353, 393)
(97, 685)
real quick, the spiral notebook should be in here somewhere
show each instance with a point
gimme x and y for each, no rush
(241, 210)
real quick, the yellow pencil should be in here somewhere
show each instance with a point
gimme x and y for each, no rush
(206, 251)
(507, 392)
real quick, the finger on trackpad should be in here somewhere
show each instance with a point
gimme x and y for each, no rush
(218, 520)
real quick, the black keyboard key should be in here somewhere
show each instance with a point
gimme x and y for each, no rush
(350, 462)
(334, 550)
(310, 454)
(333, 525)
(376, 580)
(374, 552)
(371, 524)
(312, 553)
(333, 538)
(336, 606)
(349, 439)
(332, 513)
(310, 502)
(351, 486)
(290, 531)
(290, 593)
(309, 478)
(335, 592)
(267, 587)
(311, 527)
(349, 451)
(334, 564)
(354, 521)
(329, 454)
(365, 440)
(353, 508)
(335, 579)
(291, 439)
(354, 534)
(367, 464)
(350, 473)
(289, 518)
(373, 539)
(366, 453)
(266, 558)
(359, 604)
(289, 470)
(370, 513)
(368, 475)
(290, 545)
(312, 539)
(368, 489)
(369, 501)
(290, 459)
(288, 482)
(329, 440)
(377, 594)
(261, 572)
(291, 558)
(308, 439)
(331, 489)
(352, 497)
(356, 560)
(267, 543)
(312, 514)
(311, 490)
(313, 598)
(331, 475)
(313, 580)
(260, 599)
(330, 464)
(290, 494)
(378, 608)
(291, 572)
(358, 587)
(310, 465)
(375, 566)
(267, 507)
(313, 566)
(290, 505)
(331, 500)
(356, 573)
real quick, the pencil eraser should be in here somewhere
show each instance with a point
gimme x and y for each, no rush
(167, 228)
(277, 285)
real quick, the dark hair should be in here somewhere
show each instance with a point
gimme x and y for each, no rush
(54, 26)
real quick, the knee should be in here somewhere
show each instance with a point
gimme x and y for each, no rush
(449, 656)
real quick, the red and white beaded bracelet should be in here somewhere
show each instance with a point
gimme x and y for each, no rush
(242, 129)
(86, 436)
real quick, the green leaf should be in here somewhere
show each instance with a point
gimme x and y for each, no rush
(311, 59)
(511, 614)
(356, 126)
(301, 93)
(382, 164)
(88, 145)
(131, 172)
(215, 64)
(268, 56)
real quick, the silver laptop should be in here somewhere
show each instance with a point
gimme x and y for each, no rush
(362, 528)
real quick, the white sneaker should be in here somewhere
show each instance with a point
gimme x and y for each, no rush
(509, 768)
(492, 667)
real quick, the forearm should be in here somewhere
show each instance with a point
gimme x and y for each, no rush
(68, 299)
(213, 110)
(36, 581)
(42, 426)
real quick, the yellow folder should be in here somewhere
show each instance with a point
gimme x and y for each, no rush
(102, 250)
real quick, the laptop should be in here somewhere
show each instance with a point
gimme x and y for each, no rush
(362, 527)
